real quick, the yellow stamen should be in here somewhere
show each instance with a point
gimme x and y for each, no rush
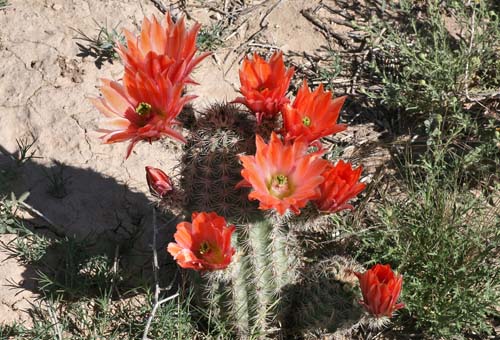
(143, 109)
(306, 121)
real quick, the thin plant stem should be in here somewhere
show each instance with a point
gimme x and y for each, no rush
(157, 302)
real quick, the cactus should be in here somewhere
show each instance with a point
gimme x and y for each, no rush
(322, 301)
(256, 294)
(210, 164)
(248, 292)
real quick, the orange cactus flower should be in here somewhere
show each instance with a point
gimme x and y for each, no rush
(158, 181)
(162, 46)
(312, 114)
(143, 108)
(264, 85)
(340, 185)
(283, 175)
(204, 244)
(381, 289)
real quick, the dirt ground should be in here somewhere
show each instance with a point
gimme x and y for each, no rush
(44, 86)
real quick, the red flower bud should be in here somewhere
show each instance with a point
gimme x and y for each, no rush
(380, 288)
(158, 181)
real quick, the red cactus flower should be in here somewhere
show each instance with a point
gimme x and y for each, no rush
(166, 47)
(158, 181)
(144, 108)
(204, 244)
(312, 114)
(283, 175)
(264, 85)
(340, 185)
(381, 289)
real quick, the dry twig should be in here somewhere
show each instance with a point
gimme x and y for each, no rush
(341, 38)
(55, 321)
(156, 268)
(51, 225)
(160, 6)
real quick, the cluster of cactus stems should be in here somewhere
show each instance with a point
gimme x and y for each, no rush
(249, 294)
(251, 273)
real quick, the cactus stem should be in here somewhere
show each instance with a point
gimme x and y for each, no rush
(259, 235)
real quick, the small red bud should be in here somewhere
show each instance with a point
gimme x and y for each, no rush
(158, 181)
(381, 288)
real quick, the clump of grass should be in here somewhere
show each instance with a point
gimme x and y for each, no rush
(9, 222)
(71, 271)
(28, 247)
(25, 151)
(4, 4)
(211, 37)
(101, 46)
(445, 240)
(57, 181)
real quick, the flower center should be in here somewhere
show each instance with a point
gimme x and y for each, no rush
(280, 186)
(143, 109)
(204, 248)
(306, 121)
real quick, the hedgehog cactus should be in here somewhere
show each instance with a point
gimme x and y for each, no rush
(250, 287)
(248, 293)
(255, 293)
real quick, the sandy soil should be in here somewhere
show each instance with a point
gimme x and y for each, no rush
(43, 89)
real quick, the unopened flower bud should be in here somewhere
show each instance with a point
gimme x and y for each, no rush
(158, 181)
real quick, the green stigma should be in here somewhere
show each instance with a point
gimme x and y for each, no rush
(306, 121)
(204, 248)
(280, 186)
(143, 109)
(282, 179)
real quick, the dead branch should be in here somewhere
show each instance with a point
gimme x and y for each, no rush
(341, 38)
(160, 6)
(156, 302)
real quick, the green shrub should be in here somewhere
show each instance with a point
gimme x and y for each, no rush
(445, 240)
(436, 66)
(425, 66)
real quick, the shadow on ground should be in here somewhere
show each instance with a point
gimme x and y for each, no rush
(99, 229)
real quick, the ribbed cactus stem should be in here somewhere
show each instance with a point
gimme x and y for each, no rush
(259, 238)
(281, 257)
(216, 297)
(240, 276)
